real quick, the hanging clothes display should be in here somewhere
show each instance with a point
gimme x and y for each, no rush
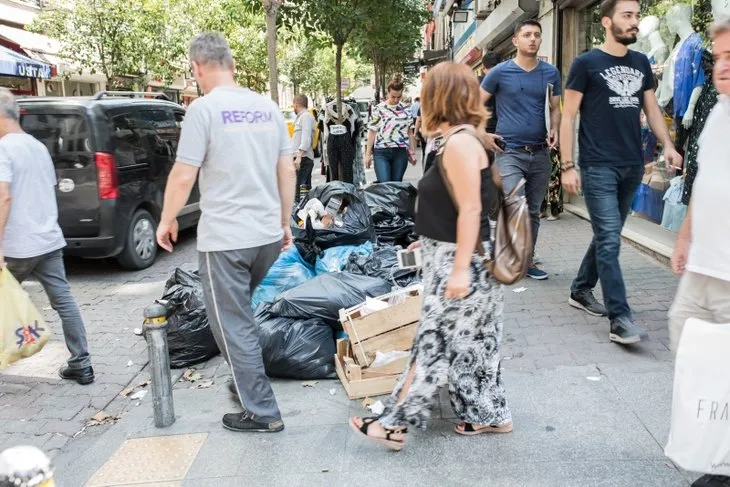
(705, 104)
(340, 131)
(674, 210)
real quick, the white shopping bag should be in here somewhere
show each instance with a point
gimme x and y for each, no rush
(699, 439)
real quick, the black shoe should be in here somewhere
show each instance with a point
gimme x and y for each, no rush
(587, 302)
(712, 481)
(625, 331)
(243, 422)
(83, 376)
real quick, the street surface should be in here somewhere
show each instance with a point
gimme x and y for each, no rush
(586, 411)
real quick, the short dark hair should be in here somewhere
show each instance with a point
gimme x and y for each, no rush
(490, 59)
(418, 99)
(524, 23)
(608, 7)
(302, 100)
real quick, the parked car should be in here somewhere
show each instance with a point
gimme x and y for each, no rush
(290, 117)
(112, 154)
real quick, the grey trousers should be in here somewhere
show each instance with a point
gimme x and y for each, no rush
(535, 167)
(229, 278)
(51, 274)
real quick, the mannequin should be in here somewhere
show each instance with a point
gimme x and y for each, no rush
(687, 74)
(656, 50)
(340, 131)
(705, 103)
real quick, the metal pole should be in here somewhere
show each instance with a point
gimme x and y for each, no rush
(155, 330)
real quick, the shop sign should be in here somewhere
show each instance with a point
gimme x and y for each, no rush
(27, 70)
(412, 67)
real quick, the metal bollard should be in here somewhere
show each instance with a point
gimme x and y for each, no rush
(155, 330)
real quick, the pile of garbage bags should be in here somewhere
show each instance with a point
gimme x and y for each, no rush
(346, 245)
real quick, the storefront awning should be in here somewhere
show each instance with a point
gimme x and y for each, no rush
(501, 21)
(15, 64)
(432, 56)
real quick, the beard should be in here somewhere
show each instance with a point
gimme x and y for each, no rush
(624, 37)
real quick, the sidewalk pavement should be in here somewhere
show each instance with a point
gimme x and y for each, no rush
(586, 411)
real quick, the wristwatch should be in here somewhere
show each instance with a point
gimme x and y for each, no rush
(567, 165)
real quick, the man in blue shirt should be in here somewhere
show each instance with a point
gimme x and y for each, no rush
(523, 86)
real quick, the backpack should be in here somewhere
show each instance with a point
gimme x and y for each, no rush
(512, 243)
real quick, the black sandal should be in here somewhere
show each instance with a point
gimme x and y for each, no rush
(470, 430)
(388, 442)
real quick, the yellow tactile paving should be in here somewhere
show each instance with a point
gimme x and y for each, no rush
(160, 461)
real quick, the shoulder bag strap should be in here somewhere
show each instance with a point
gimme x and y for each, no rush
(439, 164)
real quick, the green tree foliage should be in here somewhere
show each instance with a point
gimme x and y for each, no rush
(390, 35)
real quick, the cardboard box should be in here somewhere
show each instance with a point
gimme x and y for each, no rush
(362, 382)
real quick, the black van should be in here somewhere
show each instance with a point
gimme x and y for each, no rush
(112, 154)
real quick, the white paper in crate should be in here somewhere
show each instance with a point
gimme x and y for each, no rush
(699, 439)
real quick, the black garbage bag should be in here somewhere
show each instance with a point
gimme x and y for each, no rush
(357, 225)
(393, 208)
(189, 337)
(391, 228)
(326, 294)
(296, 348)
(399, 196)
(382, 263)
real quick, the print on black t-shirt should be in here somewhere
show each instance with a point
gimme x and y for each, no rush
(613, 97)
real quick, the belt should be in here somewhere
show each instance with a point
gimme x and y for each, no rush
(532, 148)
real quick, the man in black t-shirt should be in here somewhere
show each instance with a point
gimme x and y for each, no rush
(609, 87)
(490, 60)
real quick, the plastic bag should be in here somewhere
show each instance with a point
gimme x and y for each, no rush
(357, 226)
(399, 196)
(189, 336)
(393, 208)
(674, 209)
(699, 438)
(336, 258)
(382, 263)
(324, 296)
(289, 270)
(295, 348)
(22, 330)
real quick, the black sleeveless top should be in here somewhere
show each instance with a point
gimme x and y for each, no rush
(436, 214)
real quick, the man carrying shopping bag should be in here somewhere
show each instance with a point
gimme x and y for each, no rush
(30, 237)
(700, 437)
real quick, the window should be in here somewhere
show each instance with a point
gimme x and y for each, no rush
(128, 141)
(66, 137)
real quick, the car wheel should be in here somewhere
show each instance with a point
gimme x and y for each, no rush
(140, 249)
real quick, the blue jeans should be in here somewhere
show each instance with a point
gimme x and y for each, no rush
(534, 167)
(51, 274)
(608, 192)
(390, 164)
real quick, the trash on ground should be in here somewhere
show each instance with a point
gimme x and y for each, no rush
(595, 379)
(367, 402)
(289, 271)
(377, 408)
(102, 417)
(138, 395)
(138, 331)
(191, 376)
(383, 359)
(130, 363)
(205, 384)
(519, 290)
(310, 383)
(333, 391)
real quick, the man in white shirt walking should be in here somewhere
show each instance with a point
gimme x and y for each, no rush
(31, 240)
(702, 252)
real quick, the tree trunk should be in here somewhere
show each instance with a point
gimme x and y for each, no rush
(296, 88)
(338, 78)
(271, 7)
(377, 80)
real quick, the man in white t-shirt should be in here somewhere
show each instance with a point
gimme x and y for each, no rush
(702, 252)
(31, 240)
(239, 142)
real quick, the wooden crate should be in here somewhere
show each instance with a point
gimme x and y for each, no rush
(362, 382)
(384, 331)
